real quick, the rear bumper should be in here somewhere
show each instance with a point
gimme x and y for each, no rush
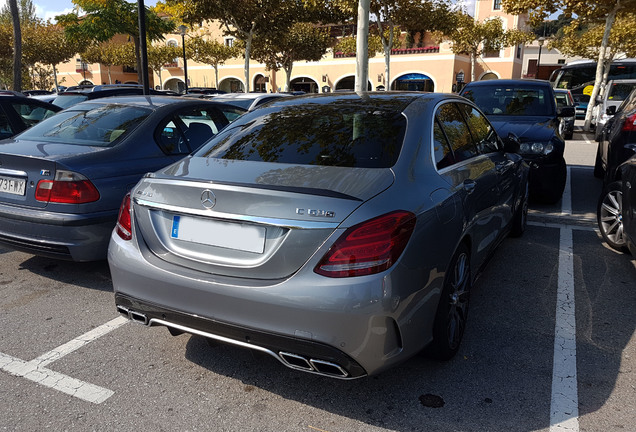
(296, 353)
(73, 237)
(358, 324)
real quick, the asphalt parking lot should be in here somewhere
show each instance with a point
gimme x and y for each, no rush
(550, 346)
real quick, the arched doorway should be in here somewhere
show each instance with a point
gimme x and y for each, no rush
(489, 76)
(231, 85)
(413, 82)
(86, 83)
(260, 85)
(305, 84)
(174, 84)
(349, 83)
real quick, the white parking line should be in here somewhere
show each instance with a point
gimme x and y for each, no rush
(36, 372)
(566, 200)
(564, 403)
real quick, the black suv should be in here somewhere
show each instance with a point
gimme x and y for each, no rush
(74, 96)
(18, 113)
(527, 109)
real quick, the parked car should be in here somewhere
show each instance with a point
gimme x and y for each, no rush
(629, 204)
(580, 105)
(62, 180)
(617, 142)
(19, 113)
(338, 233)
(616, 209)
(71, 97)
(616, 91)
(527, 108)
(249, 101)
(566, 125)
(204, 90)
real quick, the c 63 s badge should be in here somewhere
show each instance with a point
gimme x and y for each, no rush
(316, 212)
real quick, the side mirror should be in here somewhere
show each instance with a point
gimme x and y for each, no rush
(599, 99)
(611, 110)
(566, 112)
(511, 143)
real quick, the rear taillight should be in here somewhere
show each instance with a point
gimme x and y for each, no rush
(68, 187)
(124, 225)
(369, 247)
(630, 123)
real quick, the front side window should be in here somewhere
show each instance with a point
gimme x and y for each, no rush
(483, 133)
(457, 132)
(92, 125)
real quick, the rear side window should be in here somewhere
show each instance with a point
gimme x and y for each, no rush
(620, 91)
(186, 131)
(31, 113)
(334, 134)
(441, 148)
(457, 132)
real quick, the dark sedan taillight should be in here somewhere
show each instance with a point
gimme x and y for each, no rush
(369, 247)
(68, 188)
(124, 224)
(630, 123)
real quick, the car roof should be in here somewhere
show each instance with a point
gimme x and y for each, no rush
(147, 101)
(509, 82)
(249, 95)
(27, 100)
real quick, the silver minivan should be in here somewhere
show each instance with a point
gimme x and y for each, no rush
(616, 91)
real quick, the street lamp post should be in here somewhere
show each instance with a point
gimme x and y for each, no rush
(541, 40)
(182, 31)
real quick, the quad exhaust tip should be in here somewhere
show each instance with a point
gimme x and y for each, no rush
(293, 361)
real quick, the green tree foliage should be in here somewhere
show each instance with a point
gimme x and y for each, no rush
(348, 45)
(474, 38)
(303, 41)
(599, 11)
(110, 54)
(211, 52)
(26, 9)
(161, 55)
(103, 19)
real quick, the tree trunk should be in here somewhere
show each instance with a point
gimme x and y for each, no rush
(17, 45)
(288, 71)
(609, 21)
(55, 78)
(473, 61)
(248, 49)
(216, 77)
(386, 45)
(138, 60)
(362, 47)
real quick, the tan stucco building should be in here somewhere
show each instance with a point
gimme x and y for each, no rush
(433, 67)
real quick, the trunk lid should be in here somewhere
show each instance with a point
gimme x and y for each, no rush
(247, 219)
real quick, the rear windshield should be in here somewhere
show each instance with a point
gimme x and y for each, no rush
(67, 100)
(94, 125)
(243, 103)
(512, 100)
(348, 135)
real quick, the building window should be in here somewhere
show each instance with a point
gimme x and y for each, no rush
(496, 5)
(561, 61)
(80, 66)
(519, 51)
(491, 53)
(229, 42)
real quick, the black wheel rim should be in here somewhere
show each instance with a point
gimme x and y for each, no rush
(611, 218)
(458, 301)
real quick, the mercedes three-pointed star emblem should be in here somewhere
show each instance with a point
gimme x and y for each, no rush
(208, 199)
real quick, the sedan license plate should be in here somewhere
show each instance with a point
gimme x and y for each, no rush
(12, 185)
(248, 238)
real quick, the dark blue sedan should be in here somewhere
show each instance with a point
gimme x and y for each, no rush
(527, 109)
(62, 181)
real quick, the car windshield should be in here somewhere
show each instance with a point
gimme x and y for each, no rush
(243, 103)
(352, 135)
(512, 100)
(92, 125)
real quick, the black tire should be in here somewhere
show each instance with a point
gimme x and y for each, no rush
(452, 311)
(609, 216)
(520, 218)
(599, 172)
(569, 135)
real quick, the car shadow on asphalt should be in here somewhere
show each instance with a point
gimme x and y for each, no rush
(92, 275)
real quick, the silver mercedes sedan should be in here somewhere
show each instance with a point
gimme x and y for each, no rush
(338, 233)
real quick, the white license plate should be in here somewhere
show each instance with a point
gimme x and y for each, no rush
(248, 238)
(12, 185)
